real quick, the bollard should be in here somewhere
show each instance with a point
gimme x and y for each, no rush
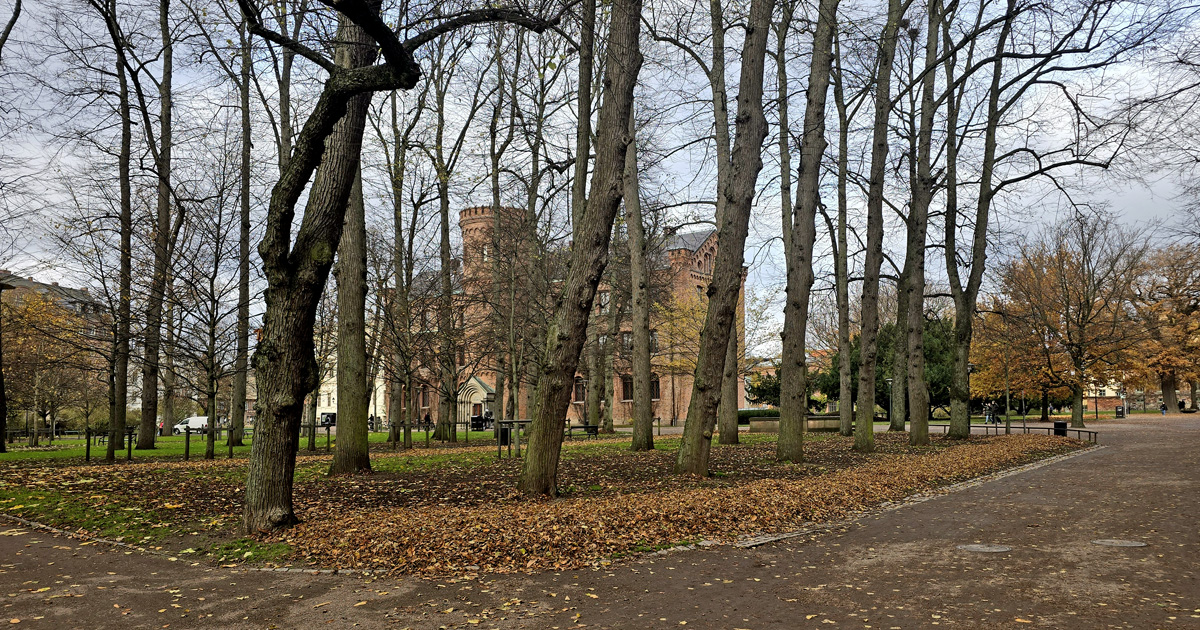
(87, 440)
(230, 442)
(327, 439)
(187, 442)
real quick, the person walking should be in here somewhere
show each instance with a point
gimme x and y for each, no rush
(1162, 407)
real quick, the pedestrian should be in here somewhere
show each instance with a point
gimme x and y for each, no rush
(1162, 407)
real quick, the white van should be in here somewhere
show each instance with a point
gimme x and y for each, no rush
(195, 423)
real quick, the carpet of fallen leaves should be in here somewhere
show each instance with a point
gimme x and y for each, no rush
(457, 511)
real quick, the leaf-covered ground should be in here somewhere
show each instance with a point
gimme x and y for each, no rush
(454, 510)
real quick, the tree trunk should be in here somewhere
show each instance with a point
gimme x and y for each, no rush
(610, 355)
(237, 412)
(583, 129)
(727, 408)
(864, 432)
(1045, 406)
(965, 296)
(723, 292)
(841, 261)
(801, 229)
(1170, 384)
(897, 390)
(639, 301)
(595, 375)
(3, 391)
(1195, 385)
(351, 454)
(210, 433)
(284, 360)
(1077, 406)
(116, 418)
(310, 418)
(922, 196)
(162, 238)
(168, 373)
(589, 255)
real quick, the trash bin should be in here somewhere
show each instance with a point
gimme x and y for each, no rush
(1060, 427)
(505, 436)
(1119, 412)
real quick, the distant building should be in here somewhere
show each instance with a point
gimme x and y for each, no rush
(686, 272)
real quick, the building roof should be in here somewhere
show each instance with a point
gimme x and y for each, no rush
(13, 281)
(690, 241)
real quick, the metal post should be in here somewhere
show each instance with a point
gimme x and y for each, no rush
(87, 440)
(327, 438)
(187, 442)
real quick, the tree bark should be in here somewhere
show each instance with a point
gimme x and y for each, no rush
(639, 274)
(120, 382)
(922, 196)
(738, 196)
(727, 408)
(3, 391)
(241, 358)
(583, 129)
(162, 242)
(841, 259)
(864, 432)
(965, 295)
(284, 361)
(351, 453)
(801, 229)
(589, 255)
(898, 418)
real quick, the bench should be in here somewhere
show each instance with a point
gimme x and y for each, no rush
(588, 430)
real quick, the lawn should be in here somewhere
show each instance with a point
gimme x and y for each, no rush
(455, 509)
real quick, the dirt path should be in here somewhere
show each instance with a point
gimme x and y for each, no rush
(898, 569)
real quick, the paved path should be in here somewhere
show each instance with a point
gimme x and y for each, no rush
(899, 569)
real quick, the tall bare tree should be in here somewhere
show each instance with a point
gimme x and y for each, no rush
(738, 196)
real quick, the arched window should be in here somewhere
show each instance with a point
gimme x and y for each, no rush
(654, 387)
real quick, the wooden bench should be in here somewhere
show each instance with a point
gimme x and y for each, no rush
(588, 430)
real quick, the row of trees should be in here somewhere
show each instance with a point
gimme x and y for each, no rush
(379, 120)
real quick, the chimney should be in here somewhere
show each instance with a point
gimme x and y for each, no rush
(54, 284)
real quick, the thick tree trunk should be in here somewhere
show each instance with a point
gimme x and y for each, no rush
(589, 256)
(801, 229)
(351, 455)
(284, 361)
(162, 243)
(1194, 385)
(723, 292)
(241, 358)
(639, 274)
(210, 433)
(1077, 406)
(1170, 384)
(864, 431)
(966, 295)
(922, 196)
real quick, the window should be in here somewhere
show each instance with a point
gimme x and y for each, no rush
(626, 387)
(603, 340)
(626, 342)
(653, 341)
(462, 356)
(699, 290)
(602, 300)
(424, 396)
(654, 387)
(580, 389)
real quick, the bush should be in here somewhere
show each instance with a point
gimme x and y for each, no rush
(744, 415)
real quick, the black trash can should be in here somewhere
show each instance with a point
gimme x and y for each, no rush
(1060, 427)
(1119, 412)
(505, 436)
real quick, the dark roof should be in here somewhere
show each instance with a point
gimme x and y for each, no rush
(13, 281)
(690, 241)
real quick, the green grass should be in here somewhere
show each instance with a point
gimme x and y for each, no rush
(166, 447)
(248, 550)
(131, 525)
